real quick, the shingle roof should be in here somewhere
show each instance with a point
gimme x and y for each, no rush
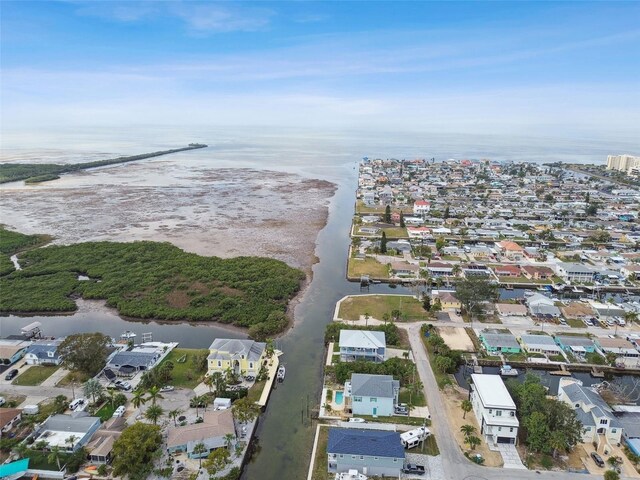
(215, 424)
(362, 339)
(133, 359)
(378, 443)
(365, 385)
(500, 340)
(223, 348)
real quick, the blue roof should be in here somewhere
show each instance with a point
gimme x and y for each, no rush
(374, 443)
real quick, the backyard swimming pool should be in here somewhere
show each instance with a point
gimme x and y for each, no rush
(339, 396)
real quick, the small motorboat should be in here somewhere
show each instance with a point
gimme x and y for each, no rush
(281, 373)
(507, 371)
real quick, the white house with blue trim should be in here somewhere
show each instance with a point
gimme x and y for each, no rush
(370, 452)
(368, 345)
(375, 395)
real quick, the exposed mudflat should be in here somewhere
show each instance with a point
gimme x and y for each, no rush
(210, 211)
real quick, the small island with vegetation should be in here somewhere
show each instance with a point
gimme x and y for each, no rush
(43, 172)
(147, 280)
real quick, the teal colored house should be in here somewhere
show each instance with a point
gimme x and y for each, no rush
(576, 345)
(495, 343)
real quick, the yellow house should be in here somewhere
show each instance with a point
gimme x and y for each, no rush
(244, 357)
(447, 300)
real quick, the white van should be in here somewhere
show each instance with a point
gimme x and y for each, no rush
(30, 410)
(118, 412)
(76, 403)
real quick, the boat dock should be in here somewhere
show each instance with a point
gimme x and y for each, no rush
(595, 373)
(563, 372)
(272, 370)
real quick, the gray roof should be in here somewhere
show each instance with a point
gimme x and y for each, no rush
(70, 423)
(379, 443)
(543, 340)
(225, 348)
(134, 359)
(630, 422)
(41, 348)
(500, 340)
(576, 268)
(362, 339)
(571, 341)
(365, 385)
(598, 407)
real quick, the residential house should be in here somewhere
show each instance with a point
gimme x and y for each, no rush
(510, 250)
(507, 270)
(537, 273)
(495, 343)
(592, 411)
(370, 452)
(404, 269)
(212, 432)
(241, 356)
(575, 344)
(9, 417)
(606, 309)
(12, 350)
(631, 271)
(418, 232)
(575, 272)
(448, 300)
(128, 362)
(511, 309)
(101, 444)
(542, 306)
(494, 408)
(540, 344)
(375, 395)
(439, 269)
(43, 352)
(618, 346)
(421, 207)
(368, 345)
(67, 432)
(577, 310)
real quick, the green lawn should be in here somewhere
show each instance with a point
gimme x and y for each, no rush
(34, 376)
(442, 379)
(106, 412)
(417, 421)
(320, 464)
(417, 400)
(523, 280)
(184, 373)
(575, 323)
(369, 266)
(362, 208)
(76, 377)
(377, 305)
(396, 232)
(256, 391)
(431, 446)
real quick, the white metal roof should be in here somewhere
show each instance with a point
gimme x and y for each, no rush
(492, 391)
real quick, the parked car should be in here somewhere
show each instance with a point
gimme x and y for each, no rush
(11, 375)
(401, 409)
(356, 420)
(77, 403)
(30, 410)
(167, 388)
(413, 469)
(120, 385)
(597, 459)
(118, 412)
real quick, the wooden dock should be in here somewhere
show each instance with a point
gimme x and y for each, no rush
(563, 372)
(272, 370)
(595, 373)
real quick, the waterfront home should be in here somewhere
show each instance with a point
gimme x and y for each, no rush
(127, 363)
(507, 270)
(540, 344)
(606, 309)
(404, 269)
(510, 250)
(368, 345)
(448, 299)
(241, 356)
(370, 452)
(101, 443)
(592, 411)
(212, 432)
(43, 352)
(475, 269)
(537, 273)
(577, 310)
(511, 309)
(12, 350)
(439, 269)
(542, 306)
(375, 395)
(8, 418)
(496, 343)
(494, 408)
(67, 432)
(618, 346)
(575, 272)
(575, 344)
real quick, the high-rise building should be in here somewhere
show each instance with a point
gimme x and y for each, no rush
(623, 163)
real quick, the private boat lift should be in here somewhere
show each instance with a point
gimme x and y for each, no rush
(507, 371)
(32, 330)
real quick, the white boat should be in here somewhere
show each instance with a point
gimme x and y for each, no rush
(507, 371)
(281, 373)
(350, 475)
(127, 336)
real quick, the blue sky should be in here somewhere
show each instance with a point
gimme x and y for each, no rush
(474, 67)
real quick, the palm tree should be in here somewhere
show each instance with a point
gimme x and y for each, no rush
(199, 449)
(219, 381)
(269, 348)
(54, 456)
(153, 413)
(93, 388)
(366, 319)
(175, 414)
(456, 270)
(467, 406)
(468, 430)
(111, 394)
(71, 440)
(208, 381)
(154, 394)
(195, 402)
(228, 440)
(473, 441)
(138, 398)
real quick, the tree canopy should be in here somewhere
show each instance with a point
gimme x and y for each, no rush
(85, 352)
(474, 291)
(135, 450)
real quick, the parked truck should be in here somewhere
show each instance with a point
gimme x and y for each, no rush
(413, 469)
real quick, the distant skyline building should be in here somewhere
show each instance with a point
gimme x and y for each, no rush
(623, 163)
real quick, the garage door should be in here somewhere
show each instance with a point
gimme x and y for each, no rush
(506, 440)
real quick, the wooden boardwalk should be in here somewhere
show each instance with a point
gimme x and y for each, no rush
(271, 377)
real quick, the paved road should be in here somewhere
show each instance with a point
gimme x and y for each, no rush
(37, 391)
(456, 466)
